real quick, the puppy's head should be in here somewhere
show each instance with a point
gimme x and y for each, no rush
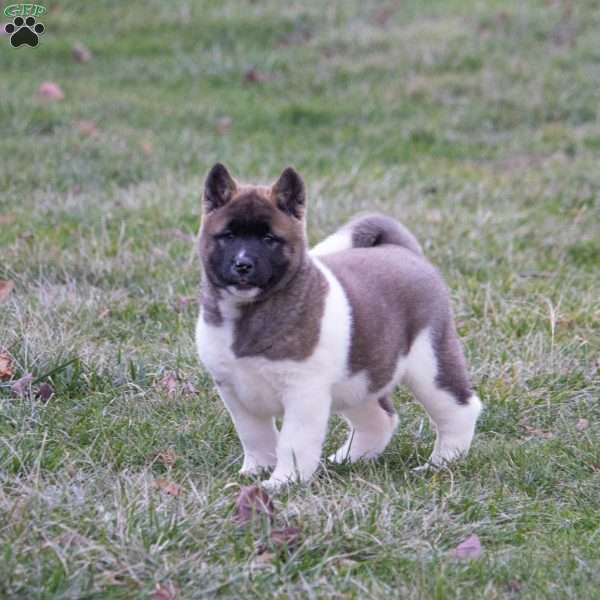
(253, 237)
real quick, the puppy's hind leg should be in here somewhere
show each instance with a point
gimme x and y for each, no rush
(371, 428)
(437, 376)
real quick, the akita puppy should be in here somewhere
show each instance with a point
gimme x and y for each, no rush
(298, 334)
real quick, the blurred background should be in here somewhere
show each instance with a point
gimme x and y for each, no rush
(474, 122)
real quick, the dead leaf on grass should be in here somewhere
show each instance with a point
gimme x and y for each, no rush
(22, 387)
(6, 287)
(104, 313)
(383, 15)
(253, 75)
(514, 585)
(189, 388)
(51, 91)
(169, 383)
(434, 216)
(167, 457)
(168, 487)
(147, 148)
(469, 549)
(536, 432)
(223, 125)
(252, 501)
(288, 538)
(7, 219)
(163, 592)
(7, 365)
(264, 559)
(81, 53)
(87, 128)
(44, 392)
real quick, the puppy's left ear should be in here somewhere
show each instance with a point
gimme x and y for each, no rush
(289, 193)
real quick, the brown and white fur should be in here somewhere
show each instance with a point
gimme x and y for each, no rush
(332, 330)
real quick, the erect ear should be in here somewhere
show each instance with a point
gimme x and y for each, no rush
(289, 193)
(219, 188)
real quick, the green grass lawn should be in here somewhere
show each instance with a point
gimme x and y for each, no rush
(476, 123)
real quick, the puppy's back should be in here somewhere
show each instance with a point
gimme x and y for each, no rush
(394, 294)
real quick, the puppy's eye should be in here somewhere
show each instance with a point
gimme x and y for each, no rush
(226, 235)
(270, 240)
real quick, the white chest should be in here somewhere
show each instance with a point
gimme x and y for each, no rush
(261, 384)
(257, 382)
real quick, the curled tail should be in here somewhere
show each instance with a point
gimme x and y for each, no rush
(367, 231)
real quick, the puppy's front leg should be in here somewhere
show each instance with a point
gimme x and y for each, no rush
(257, 433)
(306, 412)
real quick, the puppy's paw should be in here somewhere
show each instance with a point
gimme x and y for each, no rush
(423, 468)
(275, 484)
(252, 468)
(249, 471)
(340, 456)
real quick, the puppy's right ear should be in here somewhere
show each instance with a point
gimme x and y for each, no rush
(219, 188)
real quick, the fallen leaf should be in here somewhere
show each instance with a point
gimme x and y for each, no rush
(264, 559)
(189, 388)
(252, 501)
(22, 387)
(44, 392)
(382, 16)
(253, 75)
(147, 148)
(288, 538)
(167, 457)
(169, 383)
(6, 287)
(81, 53)
(104, 313)
(114, 577)
(163, 592)
(469, 549)
(582, 424)
(514, 585)
(7, 365)
(223, 125)
(434, 216)
(7, 219)
(87, 128)
(168, 487)
(51, 91)
(536, 432)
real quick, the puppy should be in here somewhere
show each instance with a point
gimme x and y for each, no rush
(298, 334)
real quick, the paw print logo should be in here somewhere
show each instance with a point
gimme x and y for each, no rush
(24, 31)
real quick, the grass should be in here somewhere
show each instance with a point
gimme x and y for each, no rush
(475, 123)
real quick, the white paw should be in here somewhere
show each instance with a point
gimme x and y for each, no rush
(249, 471)
(274, 484)
(423, 468)
(252, 467)
(340, 456)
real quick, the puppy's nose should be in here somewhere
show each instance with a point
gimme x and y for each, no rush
(243, 265)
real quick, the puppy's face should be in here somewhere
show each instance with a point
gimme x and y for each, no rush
(252, 238)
